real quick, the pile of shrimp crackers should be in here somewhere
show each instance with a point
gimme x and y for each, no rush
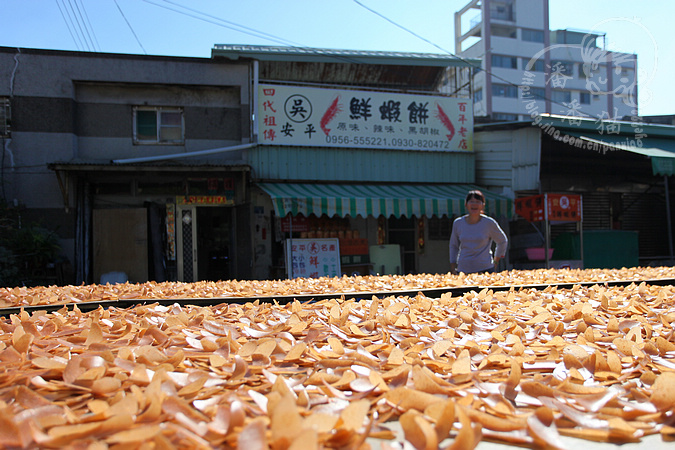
(522, 366)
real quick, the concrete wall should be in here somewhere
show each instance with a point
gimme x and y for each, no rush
(77, 107)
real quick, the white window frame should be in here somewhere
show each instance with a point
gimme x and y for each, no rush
(478, 95)
(528, 33)
(561, 96)
(504, 61)
(504, 90)
(160, 126)
(537, 66)
(567, 65)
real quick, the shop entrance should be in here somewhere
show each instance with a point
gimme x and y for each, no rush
(401, 231)
(205, 242)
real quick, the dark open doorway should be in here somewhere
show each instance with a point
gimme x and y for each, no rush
(214, 235)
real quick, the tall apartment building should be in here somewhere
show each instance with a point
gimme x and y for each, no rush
(528, 69)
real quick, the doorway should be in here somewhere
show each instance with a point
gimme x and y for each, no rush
(120, 241)
(402, 231)
(205, 243)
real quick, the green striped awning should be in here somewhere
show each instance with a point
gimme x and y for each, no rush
(379, 199)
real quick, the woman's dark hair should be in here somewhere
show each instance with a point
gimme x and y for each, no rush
(478, 195)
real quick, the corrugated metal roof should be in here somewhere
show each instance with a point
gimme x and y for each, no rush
(307, 54)
(374, 69)
(584, 124)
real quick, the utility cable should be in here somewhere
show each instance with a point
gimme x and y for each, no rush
(76, 41)
(88, 26)
(246, 30)
(79, 25)
(130, 27)
(461, 58)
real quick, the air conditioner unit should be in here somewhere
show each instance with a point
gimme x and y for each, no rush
(5, 117)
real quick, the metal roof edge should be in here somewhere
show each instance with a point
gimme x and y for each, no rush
(308, 54)
(569, 123)
(112, 167)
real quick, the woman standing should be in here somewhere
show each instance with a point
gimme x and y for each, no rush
(472, 237)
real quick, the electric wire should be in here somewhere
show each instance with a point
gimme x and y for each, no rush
(84, 29)
(244, 29)
(209, 18)
(131, 28)
(79, 26)
(256, 33)
(478, 67)
(88, 26)
(76, 41)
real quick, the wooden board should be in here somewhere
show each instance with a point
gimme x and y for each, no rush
(121, 243)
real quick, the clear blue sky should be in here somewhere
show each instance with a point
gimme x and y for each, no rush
(192, 27)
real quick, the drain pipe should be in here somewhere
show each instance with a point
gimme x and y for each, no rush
(212, 151)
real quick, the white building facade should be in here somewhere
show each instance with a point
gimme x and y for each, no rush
(528, 69)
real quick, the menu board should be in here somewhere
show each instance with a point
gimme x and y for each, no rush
(313, 258)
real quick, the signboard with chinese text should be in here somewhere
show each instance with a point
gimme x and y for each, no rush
(305, 116)
(559, 208)
(564, 207)
(204, 200)
(296, 224)
(313, 258)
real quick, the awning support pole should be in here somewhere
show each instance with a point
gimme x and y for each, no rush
(670, 228)
(63, 185)
(290, 244)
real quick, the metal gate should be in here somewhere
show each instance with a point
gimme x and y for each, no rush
(187, 244)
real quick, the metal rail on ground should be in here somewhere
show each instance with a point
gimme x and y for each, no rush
(282, 299)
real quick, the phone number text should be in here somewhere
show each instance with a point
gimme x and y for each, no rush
(388, 142)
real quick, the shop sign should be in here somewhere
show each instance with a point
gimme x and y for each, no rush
(564, 207)
(298, 224)
(313, 258)
(318, 117)
(554, 207)
(204, 200)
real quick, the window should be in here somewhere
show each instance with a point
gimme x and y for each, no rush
(562, 68)
(502, 11)
(504, 90)
(504, 31)
(504, 116)
(158, 125)
(534, 93)
(478, 95)
(533, 66)
(532, 35)
(4, 117)
(585, 70)
(508, 62)
(585, 98)
(439, 228)
(562, 96)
